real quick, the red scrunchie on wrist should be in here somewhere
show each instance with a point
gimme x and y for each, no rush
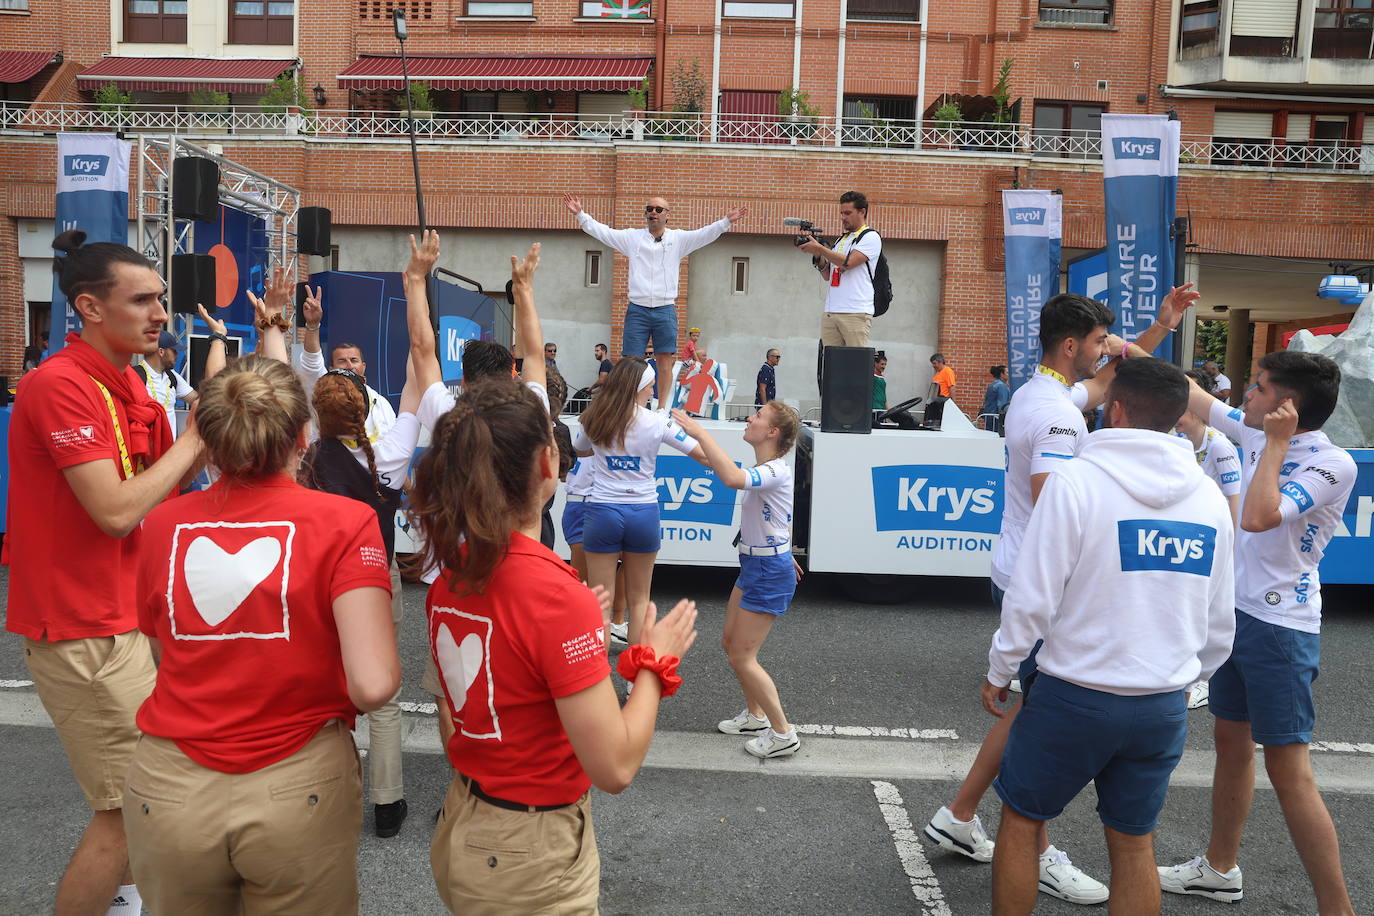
(636, 658)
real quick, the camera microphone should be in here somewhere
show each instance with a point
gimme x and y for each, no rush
(795, 221)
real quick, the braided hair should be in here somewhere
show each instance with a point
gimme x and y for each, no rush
(341, 411)
(473, 485)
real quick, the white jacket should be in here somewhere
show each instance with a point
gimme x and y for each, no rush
(1125, 571)
(653, 261)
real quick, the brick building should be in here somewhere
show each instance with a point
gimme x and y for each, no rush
(529, 99)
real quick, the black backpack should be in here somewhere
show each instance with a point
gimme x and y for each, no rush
(882, 280)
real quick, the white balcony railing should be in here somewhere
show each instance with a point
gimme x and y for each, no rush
(656, 127)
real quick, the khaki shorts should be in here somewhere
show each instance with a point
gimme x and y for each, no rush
(282, 839)
(92, 689)
(845, 329)
(489, 861)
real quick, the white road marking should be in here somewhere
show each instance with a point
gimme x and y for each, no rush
(1342, 747)
(924, 885)
(14, 684)
(423, 709)
(878, 731)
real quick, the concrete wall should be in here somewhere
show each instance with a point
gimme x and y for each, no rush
(783, 309)
(575, 317)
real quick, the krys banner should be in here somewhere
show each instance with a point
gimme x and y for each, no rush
(1140, 169)
(1032, 227)
(93, 196)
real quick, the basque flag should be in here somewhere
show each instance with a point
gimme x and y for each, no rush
(1032, 226)
(93, 196)
(1140, 169)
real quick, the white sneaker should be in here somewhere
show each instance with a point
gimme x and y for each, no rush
(771, 744)
(1061, 878)
(1015, 685)
(1197, 695)
(743, 724)
(967, 838)
(620, 634)
(1199, 878)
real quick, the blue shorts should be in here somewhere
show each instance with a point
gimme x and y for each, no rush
(766, 583)
(643, 324)
(614, 527)
(1067, 736)
(1267, 681)
(1027, 666)
(573, 514)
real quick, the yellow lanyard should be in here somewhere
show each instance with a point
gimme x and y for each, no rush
(1054, 374)
(849, 238)
(129, 469)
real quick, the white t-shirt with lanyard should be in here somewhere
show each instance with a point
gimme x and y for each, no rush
(167, 388)
(851, 290)
(765, 518)
(625, 473)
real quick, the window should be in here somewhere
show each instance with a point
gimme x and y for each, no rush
(1197, 32)
(162, 21)
(1343, 29)
(1077, 12)
(616, 9)
(333, 257)
(758, 9)
(739, 276)
(1264, 28)
(262, 22)
(872, 120)
(1068, 129)
(479, 101)
(902, 10)
(591, 271)
(501, 8)
(14, 5)
(1242, 137)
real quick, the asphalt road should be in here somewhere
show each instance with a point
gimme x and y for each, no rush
(706, 829)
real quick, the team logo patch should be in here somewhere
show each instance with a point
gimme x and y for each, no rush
(1165, 545)
(1272, 598)
(1295, 491)
(228, 580)
(622, 462)
(462, 644)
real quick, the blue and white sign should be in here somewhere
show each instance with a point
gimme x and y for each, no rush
(691, 495)
(93, 196)
(1032, 226)
(1140, 169)
(1165, 545)
(937, 497)
(1347, 555)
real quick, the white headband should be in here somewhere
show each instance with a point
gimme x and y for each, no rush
(648, 378)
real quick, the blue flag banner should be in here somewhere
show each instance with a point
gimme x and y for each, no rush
(1140, 169)
(93, 196)
(1032, 225)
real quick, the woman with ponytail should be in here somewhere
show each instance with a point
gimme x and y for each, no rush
(519, 644)
(270, 604)
(343, 461)
(622, 437)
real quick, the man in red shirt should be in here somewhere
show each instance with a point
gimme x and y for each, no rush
(91, 454)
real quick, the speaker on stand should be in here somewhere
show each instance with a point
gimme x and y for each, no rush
(195, 189)
(847, 390)
(312, 231)
(193, 283)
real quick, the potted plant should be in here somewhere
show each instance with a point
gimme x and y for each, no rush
(689, 101)
(287, 97)
(946, 118)
(209, 108)
(112, 101)
(799, 114)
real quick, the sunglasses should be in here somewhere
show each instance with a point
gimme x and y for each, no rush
(652, 209)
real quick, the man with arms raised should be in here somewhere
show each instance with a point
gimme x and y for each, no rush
(1295, 485)
(94, 454)
(654, 253)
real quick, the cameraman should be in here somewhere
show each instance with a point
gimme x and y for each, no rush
(849, 301)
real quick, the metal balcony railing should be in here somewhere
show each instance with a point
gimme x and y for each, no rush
(897, 136)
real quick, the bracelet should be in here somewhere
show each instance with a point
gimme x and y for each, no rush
(309, 328)
(637, 658)
(1125, 349)
(222, 338)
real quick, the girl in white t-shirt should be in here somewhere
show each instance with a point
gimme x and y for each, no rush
(622, 438)
(768, 575)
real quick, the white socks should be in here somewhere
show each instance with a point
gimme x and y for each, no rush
(127, 902)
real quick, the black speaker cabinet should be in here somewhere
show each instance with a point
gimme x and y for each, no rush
(847, 390)
(312, 231)
(193, 283)
(195, 188)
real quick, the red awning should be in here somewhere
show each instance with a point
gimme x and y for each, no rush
(182, 74)
(21, 66)
(581, 74)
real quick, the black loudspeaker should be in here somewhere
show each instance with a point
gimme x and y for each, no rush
(312, 231)
(195, 188)
(847, 390)
(193, 283)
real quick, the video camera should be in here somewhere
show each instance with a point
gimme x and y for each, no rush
(806, 230)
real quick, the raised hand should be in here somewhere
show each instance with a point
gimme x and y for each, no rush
(674, 634)
(1179, 300)
(278, 291)
(424, 256)
(1115, 345)
(1282, 422)
(214, 324)
(687, 423)
(737, 214)
(522, 269)
(572, 203)
(262, 312)
(312, 310)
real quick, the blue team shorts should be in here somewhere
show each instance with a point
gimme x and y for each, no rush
(573, 515)
(1067, 736)
(1267, 681)
(614, 527)
(1027, 666)
(643, 324)
(766, 583)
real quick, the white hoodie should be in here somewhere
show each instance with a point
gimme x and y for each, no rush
(1125, 571)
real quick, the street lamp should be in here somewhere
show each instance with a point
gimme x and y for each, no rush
(398, 16)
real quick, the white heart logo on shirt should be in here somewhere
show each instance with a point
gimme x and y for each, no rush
(460, 663)
(219, 580)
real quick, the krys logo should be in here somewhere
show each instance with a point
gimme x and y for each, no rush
(1136, 147)
(85, 165)
(1027, 216)
(453, 333)
(689, 493)
(1160, 544)
(937, 497)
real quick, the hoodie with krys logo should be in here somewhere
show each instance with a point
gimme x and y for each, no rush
(1125, 571)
